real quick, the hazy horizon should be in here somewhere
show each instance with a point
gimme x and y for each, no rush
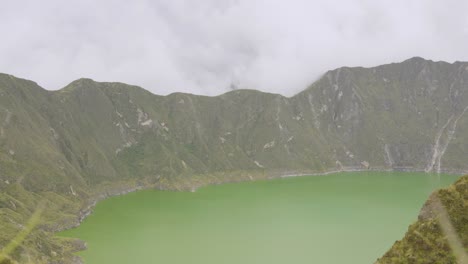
(208, 46)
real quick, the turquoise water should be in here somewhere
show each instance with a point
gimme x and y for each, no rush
(338, 218)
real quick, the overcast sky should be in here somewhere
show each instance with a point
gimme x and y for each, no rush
(202, 46)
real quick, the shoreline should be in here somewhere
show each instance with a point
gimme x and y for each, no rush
(88, 209)
(358, 169)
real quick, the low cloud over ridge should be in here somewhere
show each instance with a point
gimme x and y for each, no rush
(206, 47)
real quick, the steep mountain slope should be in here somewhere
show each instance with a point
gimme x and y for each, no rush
(63, 150)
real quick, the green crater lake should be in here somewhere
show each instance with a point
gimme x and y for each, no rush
(337, 218)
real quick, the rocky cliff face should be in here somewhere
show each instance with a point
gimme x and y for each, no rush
(70, 146)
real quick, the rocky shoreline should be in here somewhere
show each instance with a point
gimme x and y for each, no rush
(88, 209)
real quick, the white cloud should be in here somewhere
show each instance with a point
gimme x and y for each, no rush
(204, 46)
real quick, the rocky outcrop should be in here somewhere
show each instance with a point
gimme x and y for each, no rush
(440, 234)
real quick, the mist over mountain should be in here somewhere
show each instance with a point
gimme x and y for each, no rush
(202, 47)
(68, 148)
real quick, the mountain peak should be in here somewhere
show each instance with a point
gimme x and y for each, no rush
(416, 59)
(80, 84)
(82, 81)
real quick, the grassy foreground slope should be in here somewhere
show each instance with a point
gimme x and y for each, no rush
(60, 151)
(441, 233)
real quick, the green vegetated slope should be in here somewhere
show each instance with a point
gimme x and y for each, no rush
(429, 240)
(63, 150)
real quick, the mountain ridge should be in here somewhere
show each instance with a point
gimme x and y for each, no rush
(409, 60)
(90, 139)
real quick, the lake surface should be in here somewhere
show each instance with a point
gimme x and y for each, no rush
(338, 218)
